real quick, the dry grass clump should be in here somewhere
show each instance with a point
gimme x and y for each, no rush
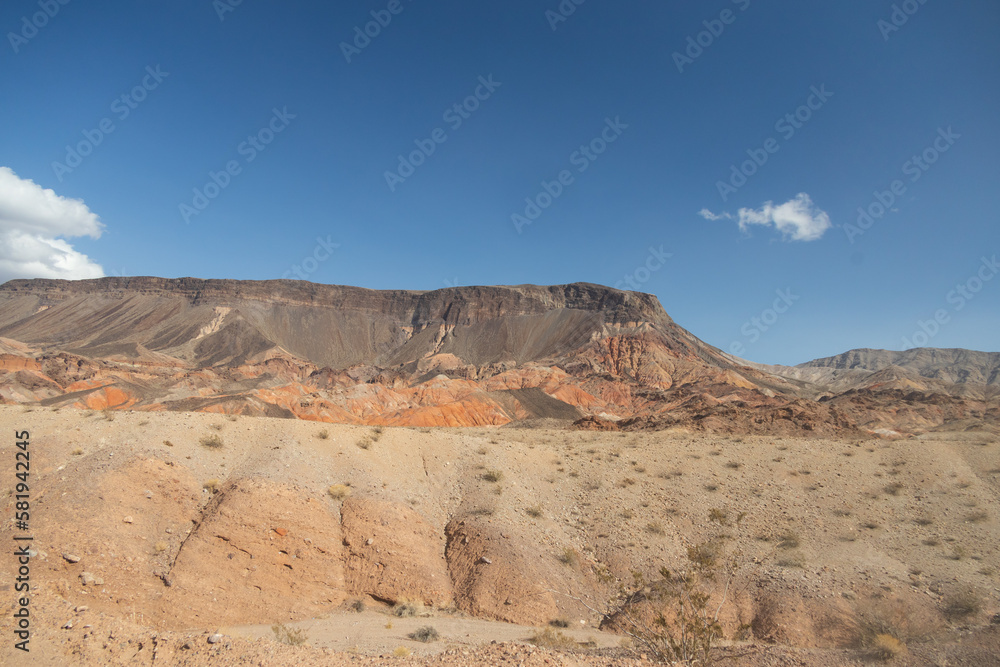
(401, 652)
(370, 439)
(655, 528)
(339, 491)
(323, 435)
(425, 634)
(405, 609)
(895, 489)
(78, 452)
(160, 547)
(962, 604)
(211, 485)
(492, 476)
(534, 512)
(886, 647)
(212, 441)
(549, 638)
(789, 540)
(977, 517)
(290, 636)
(108, 414)
(568, 556)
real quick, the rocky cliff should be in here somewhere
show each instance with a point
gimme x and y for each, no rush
(452, 357)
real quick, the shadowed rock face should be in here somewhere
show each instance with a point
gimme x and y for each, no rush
(453, 357)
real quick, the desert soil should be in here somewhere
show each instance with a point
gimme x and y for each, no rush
(150, 540)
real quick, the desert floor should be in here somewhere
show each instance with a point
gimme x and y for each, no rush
(154, 531)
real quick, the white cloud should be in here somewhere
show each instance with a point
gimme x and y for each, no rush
(708, 215)
(31, 220)
(798, 219)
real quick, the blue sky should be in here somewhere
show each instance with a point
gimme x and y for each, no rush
(266, 90)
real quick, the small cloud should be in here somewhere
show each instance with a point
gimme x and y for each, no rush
(708, 215)
(31, 220)
(798, 219)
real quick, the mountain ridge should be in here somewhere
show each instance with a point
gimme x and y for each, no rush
(455, 356)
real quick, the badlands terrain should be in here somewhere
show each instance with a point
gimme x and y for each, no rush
(229, 472)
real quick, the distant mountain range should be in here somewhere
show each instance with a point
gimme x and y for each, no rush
(461, 356)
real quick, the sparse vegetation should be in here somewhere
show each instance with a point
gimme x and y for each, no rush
(213, 441)
(549, 638)
(535, 512)
(290, 636)
(405, 609)
(492, 476)
(108, 414)
(568, 556)
(425, 634)
(211, 485)
(160, 547)
(962, 604)
(339, 491)
(401, 652)
(789, 540)
(886, 647)
(323, 434)
(687, 629)
(895, 489)
(78, 452)
(655, 528)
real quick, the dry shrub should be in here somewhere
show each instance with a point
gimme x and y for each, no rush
(549, 638)
(425, 634)
(962, 604)
(339, 491)
(212, 441)
(290, 636)
(887, 647)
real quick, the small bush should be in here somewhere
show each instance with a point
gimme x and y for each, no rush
(425, 634)
(720, 516)
(211, 441)
(567, 557)
(977, 517)
(408, 609)
(290, 636)
(962, 604)
(323, 435)
(401, 652)
(895, 489)
(78, 452)
(549, 638)
(108, 414)
(655, 528)
(789, 540)
(160, 547)
(534, 512)
(559, 623)
(791, 560)
(493, 476)
(339, 491)
(358, 606)
(887, 647)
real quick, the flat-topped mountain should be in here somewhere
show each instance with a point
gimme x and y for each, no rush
(458, 357)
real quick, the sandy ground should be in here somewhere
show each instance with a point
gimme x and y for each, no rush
(826, 524)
